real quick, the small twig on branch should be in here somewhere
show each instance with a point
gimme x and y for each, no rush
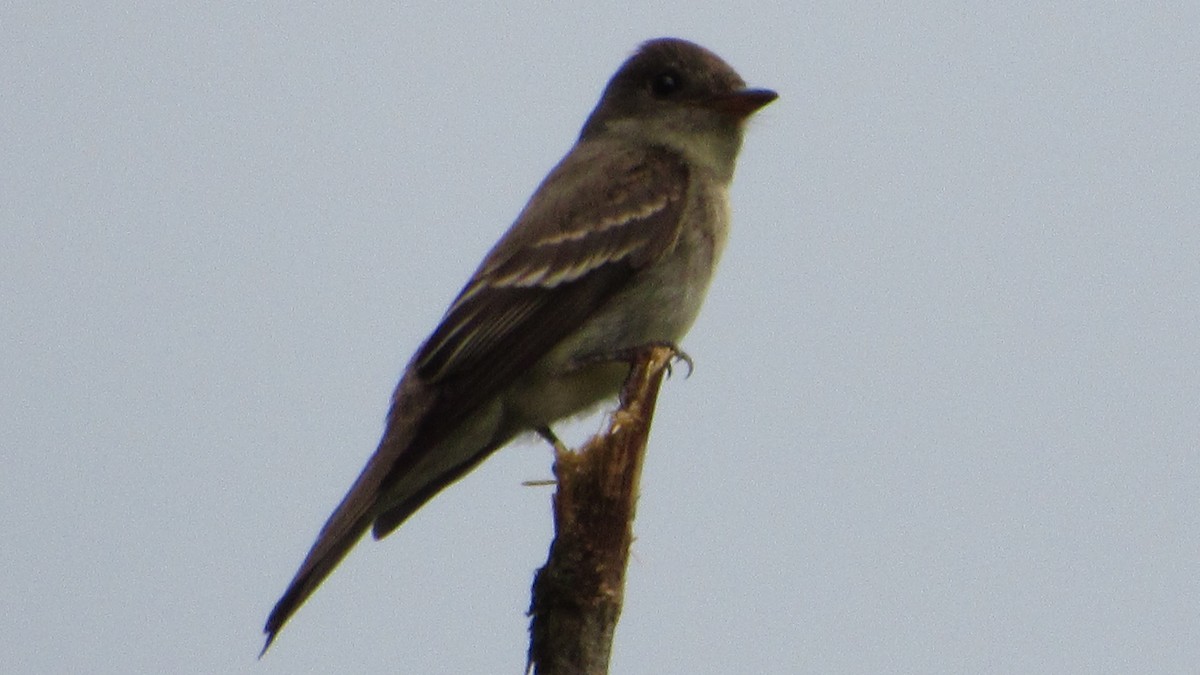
(577, 596)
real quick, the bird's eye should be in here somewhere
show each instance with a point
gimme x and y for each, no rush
(666, 83)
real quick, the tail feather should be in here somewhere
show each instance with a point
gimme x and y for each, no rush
(338, 536)
(387, 521)
(398, 479)
(358, 508)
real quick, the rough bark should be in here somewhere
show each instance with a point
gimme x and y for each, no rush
(577, 595)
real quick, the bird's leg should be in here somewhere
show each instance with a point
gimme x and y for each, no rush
(548, 435)
(559, 449)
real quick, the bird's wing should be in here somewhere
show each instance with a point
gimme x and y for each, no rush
(601, 215)
(597, 219)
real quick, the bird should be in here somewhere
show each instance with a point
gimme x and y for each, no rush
(615, 250)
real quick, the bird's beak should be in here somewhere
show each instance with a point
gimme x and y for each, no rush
(742, 103)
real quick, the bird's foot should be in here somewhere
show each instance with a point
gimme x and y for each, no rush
(631, 355)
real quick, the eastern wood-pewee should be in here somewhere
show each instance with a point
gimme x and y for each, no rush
(614, 251)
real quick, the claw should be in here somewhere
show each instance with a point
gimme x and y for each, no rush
(680, 355)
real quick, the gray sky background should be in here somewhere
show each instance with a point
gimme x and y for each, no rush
(944, 414)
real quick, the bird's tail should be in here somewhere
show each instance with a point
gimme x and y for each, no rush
(341, 532)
